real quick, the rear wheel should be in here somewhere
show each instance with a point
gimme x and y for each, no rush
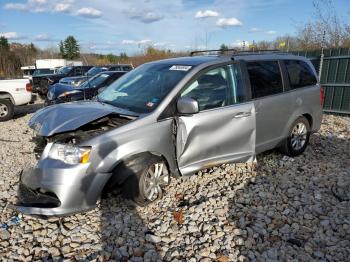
(6, 110)
(148, 183)
(298, 138)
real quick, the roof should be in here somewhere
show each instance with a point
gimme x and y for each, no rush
(197, 60)
(190, 60)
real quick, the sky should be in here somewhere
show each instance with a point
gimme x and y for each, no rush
(115, 26)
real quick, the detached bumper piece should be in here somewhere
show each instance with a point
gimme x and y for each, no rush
(30, 198)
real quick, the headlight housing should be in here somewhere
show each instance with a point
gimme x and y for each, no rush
(65, 94)
(70, 154)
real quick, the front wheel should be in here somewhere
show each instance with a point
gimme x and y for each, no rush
(147, 185)
(6, 110)
(298, 138)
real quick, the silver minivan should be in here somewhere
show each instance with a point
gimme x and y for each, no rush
(169, 118)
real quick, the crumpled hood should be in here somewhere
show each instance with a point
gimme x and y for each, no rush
(70, 116)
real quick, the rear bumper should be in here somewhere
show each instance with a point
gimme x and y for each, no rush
(59, 191)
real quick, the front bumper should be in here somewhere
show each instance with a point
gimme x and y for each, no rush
(59, 191)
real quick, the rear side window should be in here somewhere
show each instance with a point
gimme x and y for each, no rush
(78, 71)
(265, 78)
(300, 74)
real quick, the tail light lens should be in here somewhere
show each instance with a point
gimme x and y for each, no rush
(29, 87)
(322, 97)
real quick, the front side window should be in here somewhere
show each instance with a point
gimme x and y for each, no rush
(300, 74)
(265, 78)
(216, 88)
(95, 70)
(95, 81)
(64, 70)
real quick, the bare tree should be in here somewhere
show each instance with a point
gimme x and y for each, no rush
(326, 21)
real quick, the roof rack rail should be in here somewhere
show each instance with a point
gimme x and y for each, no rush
(257, 51)
(213, 50)
(238, 52)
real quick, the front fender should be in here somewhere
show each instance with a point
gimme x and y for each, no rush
(155, 138)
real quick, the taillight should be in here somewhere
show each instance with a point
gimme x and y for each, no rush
(322, 96)
(29, 87)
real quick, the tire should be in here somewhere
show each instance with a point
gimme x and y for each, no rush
(137, 185)
(298, 138)
(6, 110)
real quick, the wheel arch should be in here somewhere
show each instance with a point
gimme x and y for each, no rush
(6, 95)
(309, 118)
(130, 165)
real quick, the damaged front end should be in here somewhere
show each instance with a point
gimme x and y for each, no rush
(64, 180)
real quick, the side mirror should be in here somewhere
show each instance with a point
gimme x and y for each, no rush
(187, 106)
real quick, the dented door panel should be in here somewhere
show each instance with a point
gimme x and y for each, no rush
(216, 136)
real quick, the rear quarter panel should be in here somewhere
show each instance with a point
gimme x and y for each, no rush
(306, 101)
(16, 88)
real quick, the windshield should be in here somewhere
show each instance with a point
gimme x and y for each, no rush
(95, 70)
(142, 89)
(95, 81)
(64, 70)
(42, 71)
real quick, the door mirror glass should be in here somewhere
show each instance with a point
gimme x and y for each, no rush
(187, 106)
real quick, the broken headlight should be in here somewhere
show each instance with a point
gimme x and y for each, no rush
(70, 154)
(65, 94)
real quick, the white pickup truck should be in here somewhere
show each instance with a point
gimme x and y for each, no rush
(14, 92)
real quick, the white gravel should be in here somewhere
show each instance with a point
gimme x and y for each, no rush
(289, 209)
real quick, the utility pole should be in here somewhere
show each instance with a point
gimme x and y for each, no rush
(322, 55)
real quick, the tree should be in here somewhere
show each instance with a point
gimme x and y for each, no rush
(112, 58)
(69, 48)
(61, 47)
(328, 24)
(223, 48)
(4, 43)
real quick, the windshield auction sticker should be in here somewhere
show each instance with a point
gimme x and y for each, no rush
(180, 68)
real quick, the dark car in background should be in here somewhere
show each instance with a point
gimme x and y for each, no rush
(43, 71)
(78, 80)
(121, 67)
(60, 93)
(41, 83)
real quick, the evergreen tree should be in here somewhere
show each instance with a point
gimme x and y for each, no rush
(223, 48)
(61, 47)
(69, 48)
(4, 43)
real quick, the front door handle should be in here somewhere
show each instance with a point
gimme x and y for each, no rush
(242, 114)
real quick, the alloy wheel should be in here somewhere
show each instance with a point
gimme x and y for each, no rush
(3, 110)
(298, 136)
(156, 177)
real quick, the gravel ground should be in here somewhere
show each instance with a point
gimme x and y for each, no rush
(282, 209)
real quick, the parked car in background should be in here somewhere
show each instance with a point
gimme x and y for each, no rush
(44, 71)
(14, 92)
(47, 64)
(41, 83)
(78, 80)
(60, 93)
(121, 67)
(169, 117)
(28, 71)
